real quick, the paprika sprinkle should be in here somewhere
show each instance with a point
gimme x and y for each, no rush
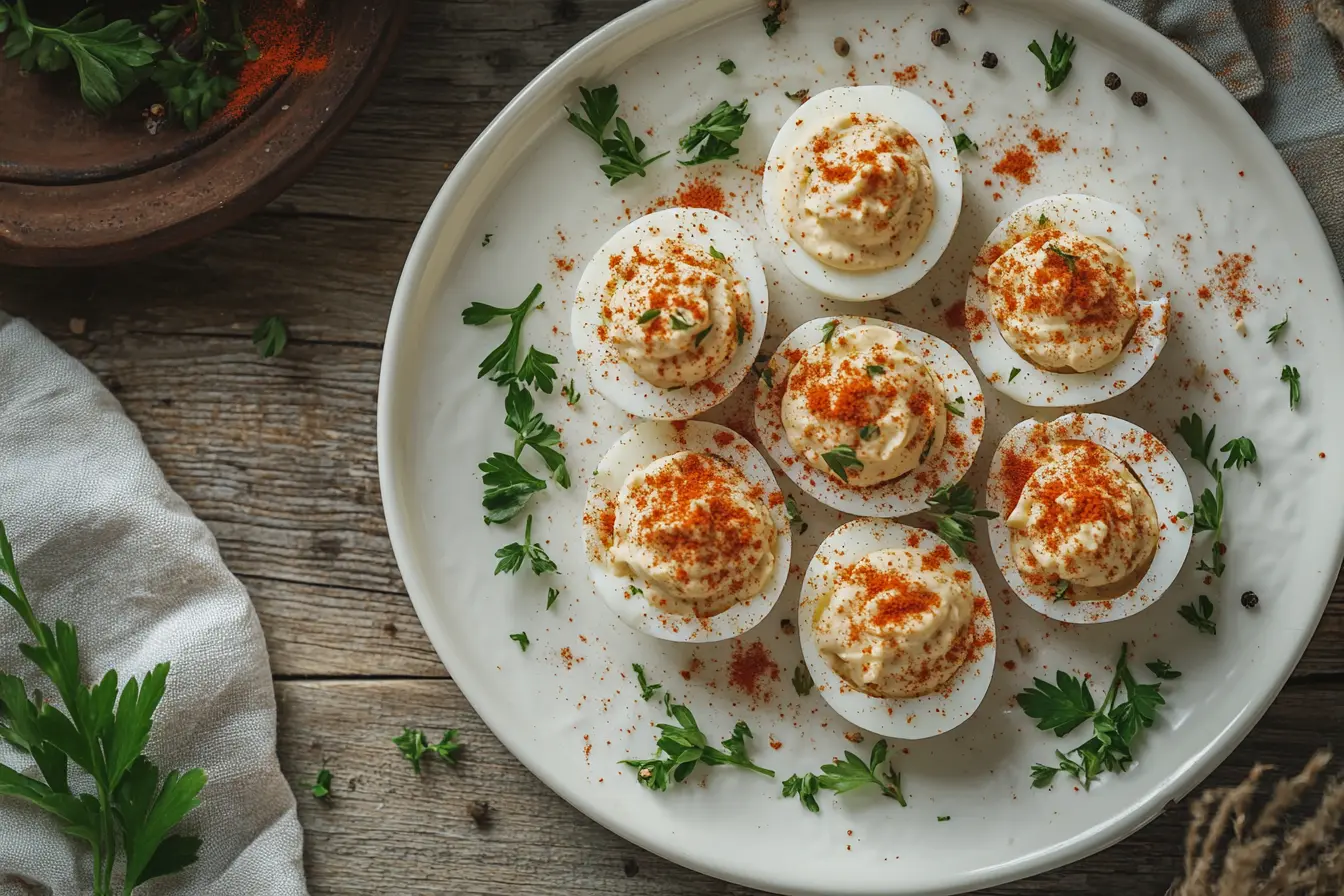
(289, 41)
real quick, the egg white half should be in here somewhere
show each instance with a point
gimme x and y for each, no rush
(1152, 463)
(912, 718)
(899, 497)
(925, 124)
(617, 380)
(639, 447)
(1033, 386)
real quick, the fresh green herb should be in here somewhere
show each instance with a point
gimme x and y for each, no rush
(551, 595)
(270, 337)
(700, 337)
(1070, 260)
(538, 369)
(714, 134)
(794, 514)
(964, 143)
(953, 506)
(624, 152)
(1200, 615)
(1277, 330)
(646, 690)
(571, 394)
(104, 733)
(682, 746)
(521, 639)
(651, 314)
(1062, 589)
(679, 322)
(1012, 374)
(1208, 511)
(322, 786)
(1294, 381)
(715, 253)
(201, 57)
(944, 817)
(741, 332)
(956, 407)
(508, 487)
(501, 365)
(412, 744)
(1162, 669)
(840, 460)
(767, 375)
(531, 431)
(802, 680)
(511, 556)
(869, 432)
(727, 66)
(876, 370)
(799, 96)
(1240, 453)
(1063, 706)
(848, 774)
(828, 330)
(634, 591)
(1042, 221)
(485, 242)
(1060, 62)
(775, 17)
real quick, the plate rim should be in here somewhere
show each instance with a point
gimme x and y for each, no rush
(458, 185)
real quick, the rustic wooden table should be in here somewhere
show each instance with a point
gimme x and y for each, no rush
(279, 458)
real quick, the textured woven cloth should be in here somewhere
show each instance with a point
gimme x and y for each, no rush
(103, 542)
(1281, 59)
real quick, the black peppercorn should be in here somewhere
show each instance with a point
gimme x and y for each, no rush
(1250, 600)
(940, 37)
(1112, 81)
(989, 60)
(1139, 98)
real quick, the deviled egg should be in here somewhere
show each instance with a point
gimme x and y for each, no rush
(686, 532)
(862, 191)
(1061, 306)
(897, 631)
(1089, 526)
(868, 416)
(670, 313)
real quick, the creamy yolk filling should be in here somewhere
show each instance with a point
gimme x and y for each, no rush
(675, 311)
(864, 390)
(1064, 301)
(898, 622)
(858, 193)
(1085, 520)
(697, 531)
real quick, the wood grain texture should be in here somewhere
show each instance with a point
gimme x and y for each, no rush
(279, 458)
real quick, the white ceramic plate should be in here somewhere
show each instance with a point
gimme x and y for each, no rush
(532, 181)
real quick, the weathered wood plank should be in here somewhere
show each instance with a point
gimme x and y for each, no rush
(384, 824)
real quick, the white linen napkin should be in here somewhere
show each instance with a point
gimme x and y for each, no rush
(102, 542)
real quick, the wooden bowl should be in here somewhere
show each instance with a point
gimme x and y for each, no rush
(79, 189)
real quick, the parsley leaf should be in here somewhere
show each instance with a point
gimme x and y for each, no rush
(551, 595)
(714, 133)
(270, 337)
(700, 337)
(727, 66)
(953, 506)
(521, 639)
(1162, 669)
(646, 690)
(413, 745)
(1191, 429)
(794, 514)
(844, 775)
(869, 432)
(538, 369)
(956, 407)
(1062, 589)
(802, 680)
(805, 787)
(511, 557)
(1012, 374)
(682, 746)
(624, 152)
(1059, 64)
(1240, 453)
(1200, 615)
(501, 365)
(508, 487)
(531, 431)
(1208, 510)
(1294, 381)
(1070, 260)
(840, 460)
(775, 17)
(322, 786)
(828, 330)
(1277, 330)
(964, 143)
(875, 370)
(571, 394)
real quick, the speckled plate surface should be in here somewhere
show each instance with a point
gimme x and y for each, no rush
(1234, 237)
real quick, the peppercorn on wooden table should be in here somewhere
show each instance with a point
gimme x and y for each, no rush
(279, 458)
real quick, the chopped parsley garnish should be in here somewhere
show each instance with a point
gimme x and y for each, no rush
(1294, 381)
(511, 556)
(1070, 260)
(828, 330)
(956, 407)
(799, 96)
(486, 241)
(794, 514)
(1277, 330)
(775, 17)
(1063, 706)
(1200, 615)
(1042, 221)
(1059, 63)
(741, 332)
(270, 337)
(767, 375)
(845, 775)
(571, 394)
(1162, 669)
(532, 431)
(624, 152)
(646, 690)
(1012, 374)
(412, 744)
(634, 590)
(700, 337)
(1240, 453)
(715, 253)
(714, 134)
(875, 370)
(551, 595)
(1062, 589)
(944, 817)
(501, 365)
(727, 66)
(683, 746)
(651, 314)
(521, 639)
(322, 786)
(964, 143)
(953, 506)
(840, 460)
(508, 487)
(679, 322)
(802, 680)
(869, 432)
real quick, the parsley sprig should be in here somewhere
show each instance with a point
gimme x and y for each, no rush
(714, 134)
(413, 745)
(1063, 706)
(964, 143)
(511, 556)
(1294, 381)
(845, 775)
(840, 460)
(501, 365)
(953, 507)
(532, 431)
(1059, 63)
(646, 690)
(1208, 511)
(1200, 615)
(104, 732)
(683, 746)
(1277, 330)
(624, 152)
